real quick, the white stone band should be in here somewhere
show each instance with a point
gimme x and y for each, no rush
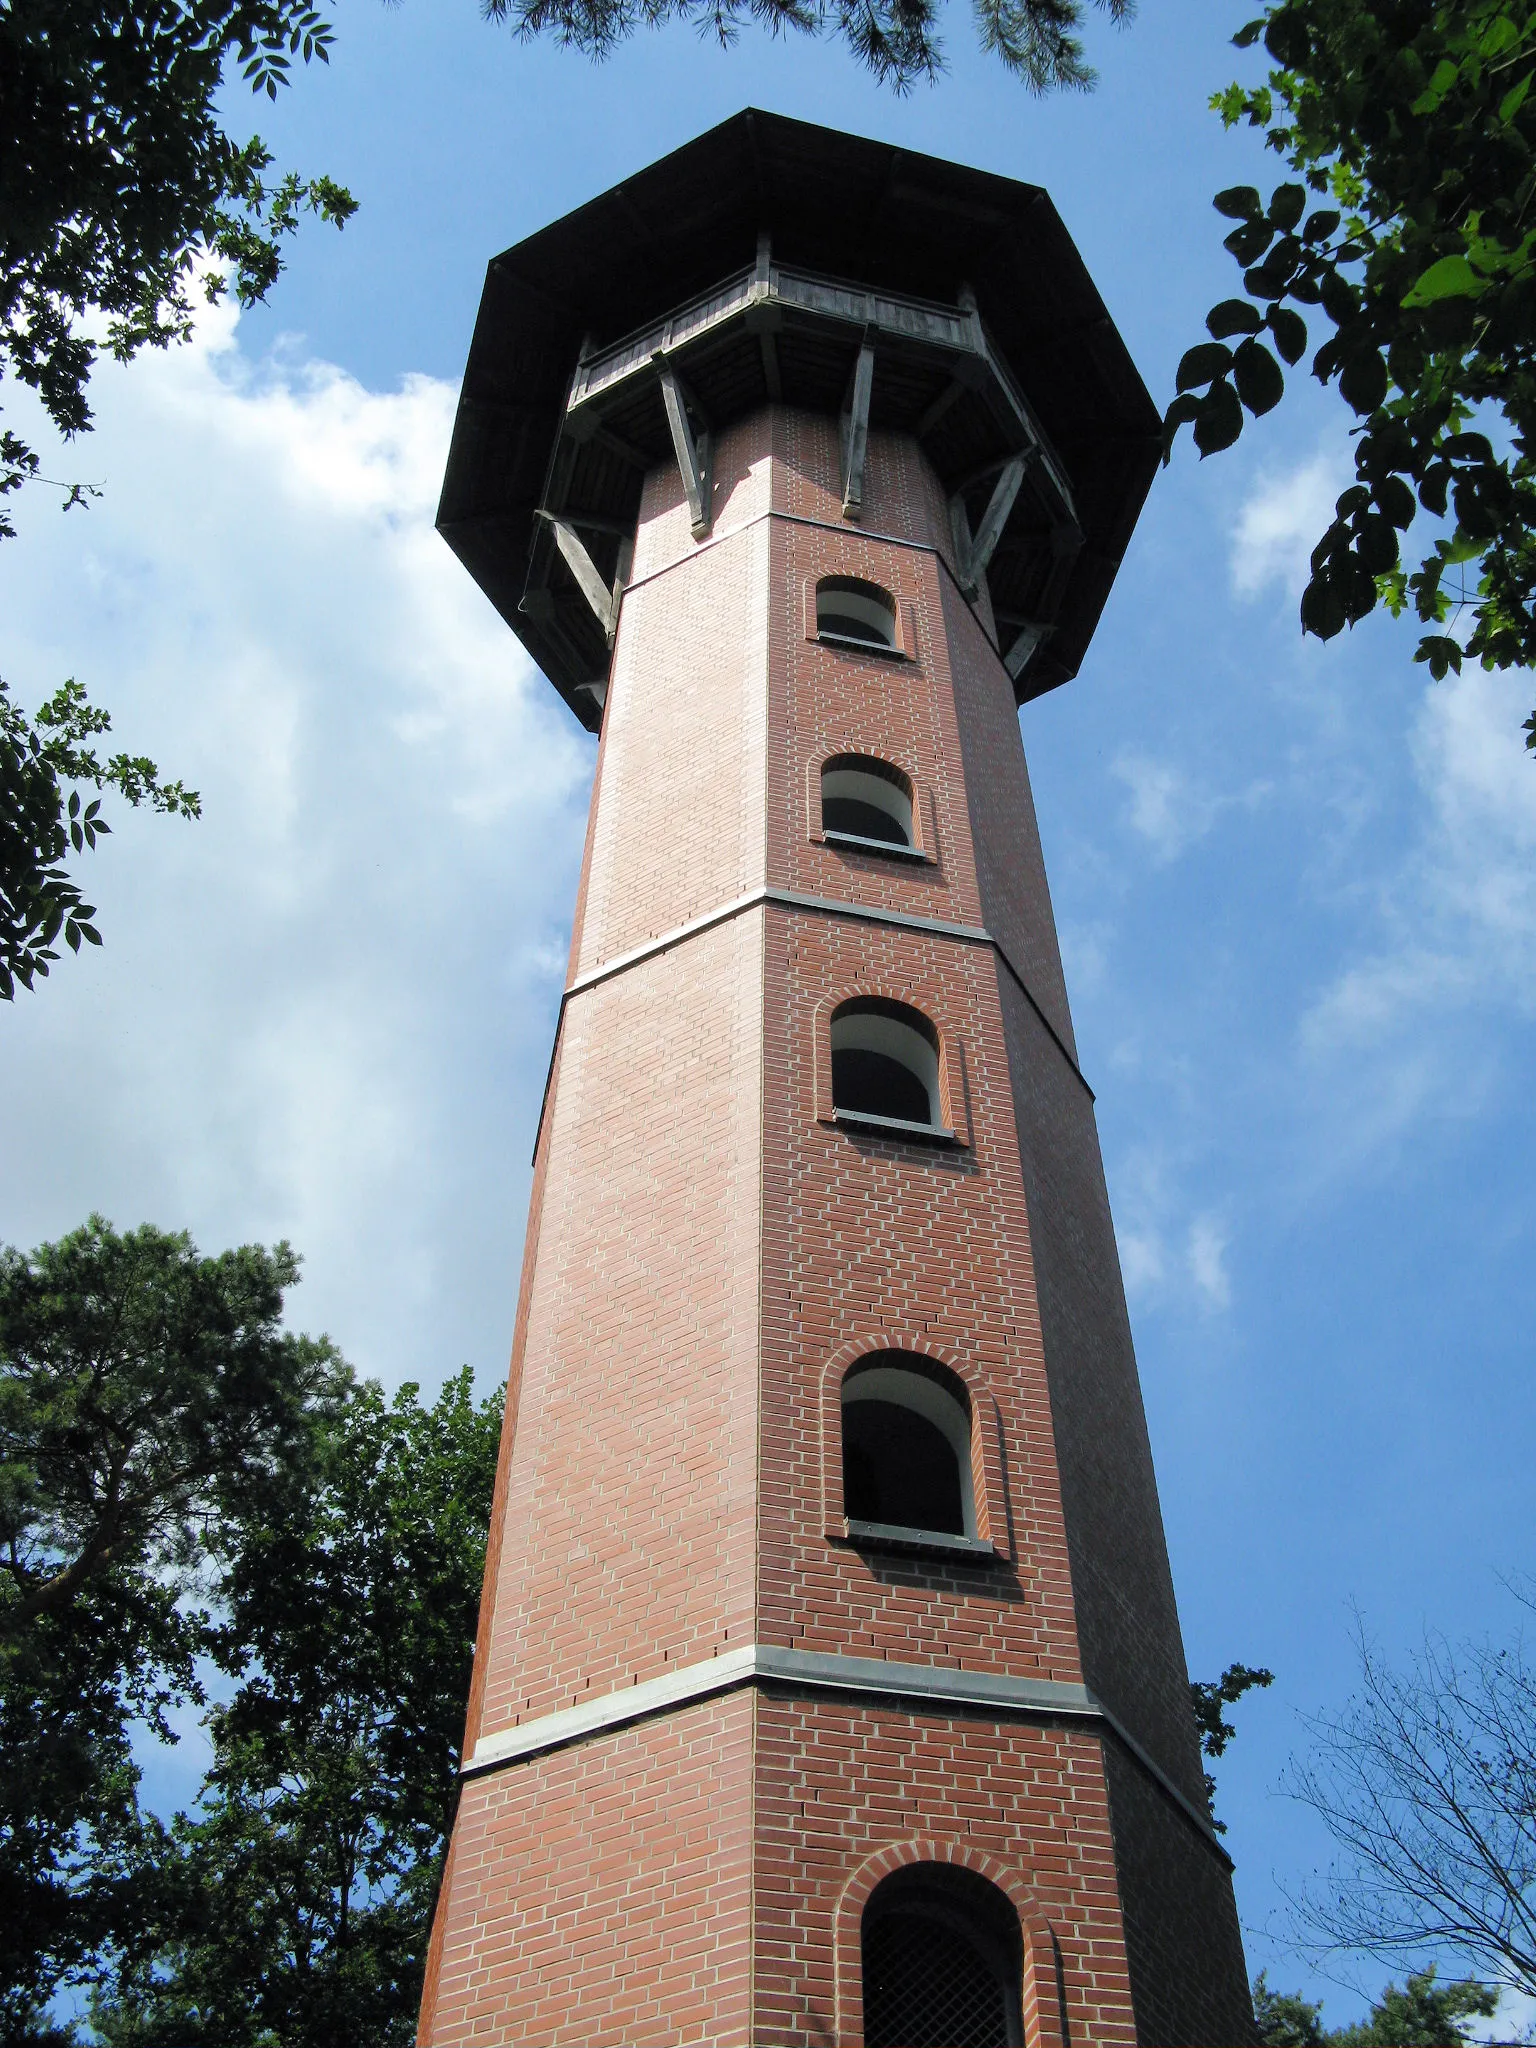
(990, 1691)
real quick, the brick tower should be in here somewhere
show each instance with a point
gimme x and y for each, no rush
(829, 1686)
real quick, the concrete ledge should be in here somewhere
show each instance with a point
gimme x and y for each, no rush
(759, 1663)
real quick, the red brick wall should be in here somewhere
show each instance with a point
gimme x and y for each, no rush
(626, 1542)
(707, 1253)
(602, 1893)
(839, 1787)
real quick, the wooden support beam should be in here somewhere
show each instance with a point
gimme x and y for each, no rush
(692, 455)
(621, 576)
(954, 389)
(995, 518)
(1021, 652)
(855, 432)
(588, 577)
(771, 378)
(960, 530)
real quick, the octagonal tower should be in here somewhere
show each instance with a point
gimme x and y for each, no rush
(829, 1685)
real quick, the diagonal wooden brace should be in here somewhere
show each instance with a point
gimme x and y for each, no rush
(589, 580)
(855, 432)
(1022, 651)
(995, 518)
(692, 455)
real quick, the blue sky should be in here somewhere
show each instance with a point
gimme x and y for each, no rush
(1295, 885)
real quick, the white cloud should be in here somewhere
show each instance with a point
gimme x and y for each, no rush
(1458, 917)
(1280, 524)
(1515, 2019)
(321, 1012)
(1207, 1255)
(1169, 809)
(1165, 1259)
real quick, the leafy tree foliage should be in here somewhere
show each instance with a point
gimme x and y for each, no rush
(1408, 239)
(1208, 1697)
(121, 200)
(117, 178)
(1285, 2020)
(295, 1906)
(898, 40)
(148, 1400)
(39, 824)
(1427, 1782)
(1424, 2014)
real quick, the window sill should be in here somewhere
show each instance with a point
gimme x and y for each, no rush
(925, 1542)
(895, 1127)
(886, 846)
(858, 646)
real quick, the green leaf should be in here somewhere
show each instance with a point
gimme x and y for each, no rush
(1514, 99)
(1287, 206)
(1184, 408)
(1207, 359)
(1396, 501)
(1363, 380)
(1265, 282)
(1322, 609)
(1500, 35)
(1260, 383)
(1233, 316)
(1451, 278)
(1441, 652)
(1239, 202)
(1341, 301)
(1220, 420)
(1376, 544)
(1445, 76)
(1320, 225)
(1289, 330)
(1249, 242)
(1468, 448)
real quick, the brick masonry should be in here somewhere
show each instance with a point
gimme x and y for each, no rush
(707, 1252)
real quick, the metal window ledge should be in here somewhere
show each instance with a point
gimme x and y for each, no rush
(895, 1127)
(855, 645)
(925, 1542)
(893, 847)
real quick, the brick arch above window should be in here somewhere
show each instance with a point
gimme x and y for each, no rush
(1043, 1986)
(954, 1091)
(993, 1524)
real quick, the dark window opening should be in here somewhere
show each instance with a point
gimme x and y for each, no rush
(876, 1084)
(907, 1446)
(899, 1468)
(885, 1063)
(864, 821)
(863, 798)
(942, 1961)
(847, 608)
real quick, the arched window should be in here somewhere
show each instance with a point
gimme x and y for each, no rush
(907, 1446)
(866, 800)
(885, 1065)
(942, 1961)
(847, 608)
